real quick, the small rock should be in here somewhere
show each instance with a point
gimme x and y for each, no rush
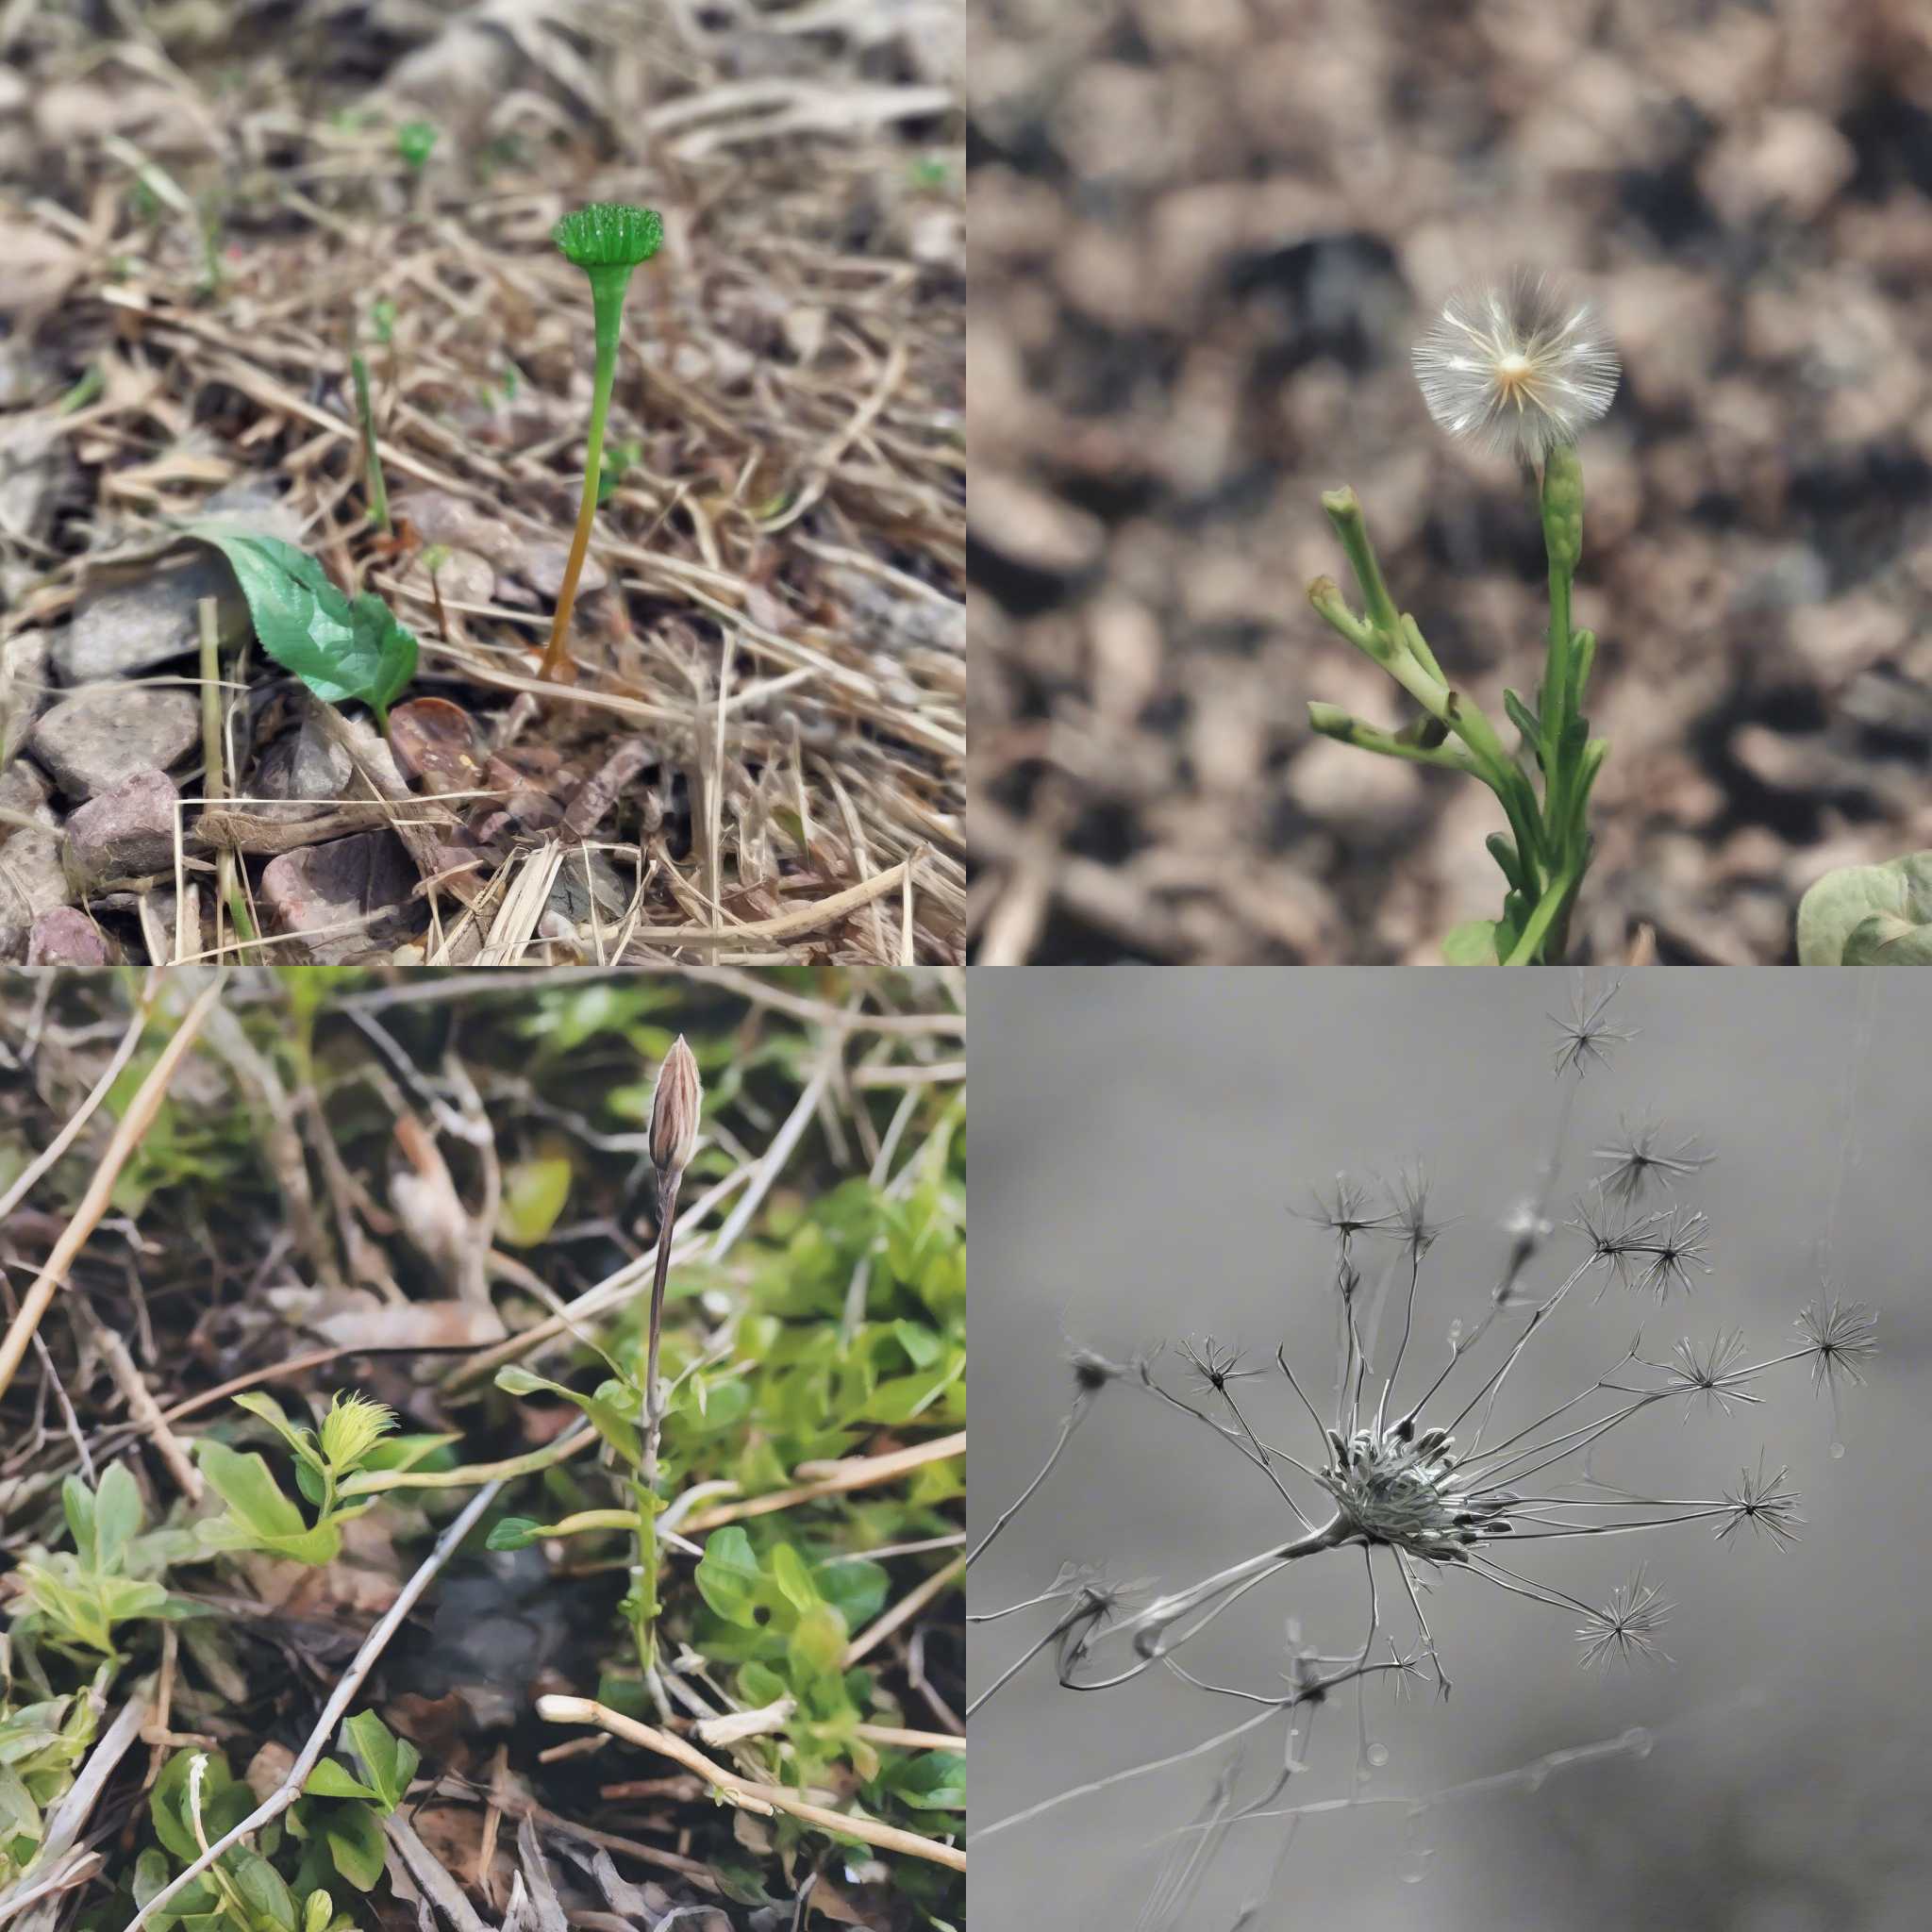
(34, 463)
(67, 937)
(440, 518)
(25, 689)
(121, 629)
(32, 881)
(571, 892)
(1035, 535)
(92, 742)
(125, 833)
(340, 885)
(463, 577)
(306, 767)
(541, 566)
(258, 507)
(1337, 782)
(22, 789)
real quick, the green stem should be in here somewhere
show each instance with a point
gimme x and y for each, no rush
(368, 1482)
(378, 489)
(1554, 902)
(607, 300)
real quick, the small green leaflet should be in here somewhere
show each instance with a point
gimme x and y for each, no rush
(340, 648)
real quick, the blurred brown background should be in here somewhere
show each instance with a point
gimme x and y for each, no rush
(1204, 239)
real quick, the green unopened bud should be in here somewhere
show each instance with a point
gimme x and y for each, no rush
(1563, 506)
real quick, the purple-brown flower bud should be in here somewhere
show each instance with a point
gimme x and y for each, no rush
(675, 1108)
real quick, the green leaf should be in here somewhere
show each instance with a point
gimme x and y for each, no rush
(355, 1843)
(728, 1575)
(934, 1781)
(77, 1501)
(262, 1888)
(855, 1590)
(1880, 941)
(920, 1342)
(340, 648)
(817, 1642)
(513, 1533)
(390, 1761)
(1472, 943)
(271, 1411)
(332, 1780)
(377, 630)
(534, 1195)
(792, 1578)
(246, 1485)
(608, 1408)
(1834, 909)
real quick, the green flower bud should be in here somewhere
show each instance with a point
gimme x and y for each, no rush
(1563, 506)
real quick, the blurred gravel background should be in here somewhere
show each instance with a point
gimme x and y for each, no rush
(1136, 1141)
(1203, 239)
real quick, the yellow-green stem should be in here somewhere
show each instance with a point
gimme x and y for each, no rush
(607, 298)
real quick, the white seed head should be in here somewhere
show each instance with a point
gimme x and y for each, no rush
(1517, 366)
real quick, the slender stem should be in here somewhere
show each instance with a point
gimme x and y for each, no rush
(668, 1179)
(378, 489)
(1541, 922)
(1080, 1408)
(606, 297)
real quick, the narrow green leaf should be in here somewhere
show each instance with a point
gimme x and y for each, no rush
(330, 1780)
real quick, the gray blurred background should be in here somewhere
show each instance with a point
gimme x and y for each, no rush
(1203, 239)
(1137, 1140)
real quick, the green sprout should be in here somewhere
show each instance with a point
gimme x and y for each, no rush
(415, 142)
(378, 489)
(607, 240)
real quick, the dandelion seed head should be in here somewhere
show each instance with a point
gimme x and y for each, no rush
(1712, 1371)
(1639, 1161)
(1517, 366)
(1583, 1037)
(1768, 1503)
(1626, 1626)
(1841, 1335)
(1213, 1366)
(1405, 1490)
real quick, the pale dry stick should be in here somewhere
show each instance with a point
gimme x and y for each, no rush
(903, 1612)
(94, 1203)
(146, 1412)
(857, 1475)
(122, 1053)
(762, 1799)
(285, 1793)
(819, 912)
